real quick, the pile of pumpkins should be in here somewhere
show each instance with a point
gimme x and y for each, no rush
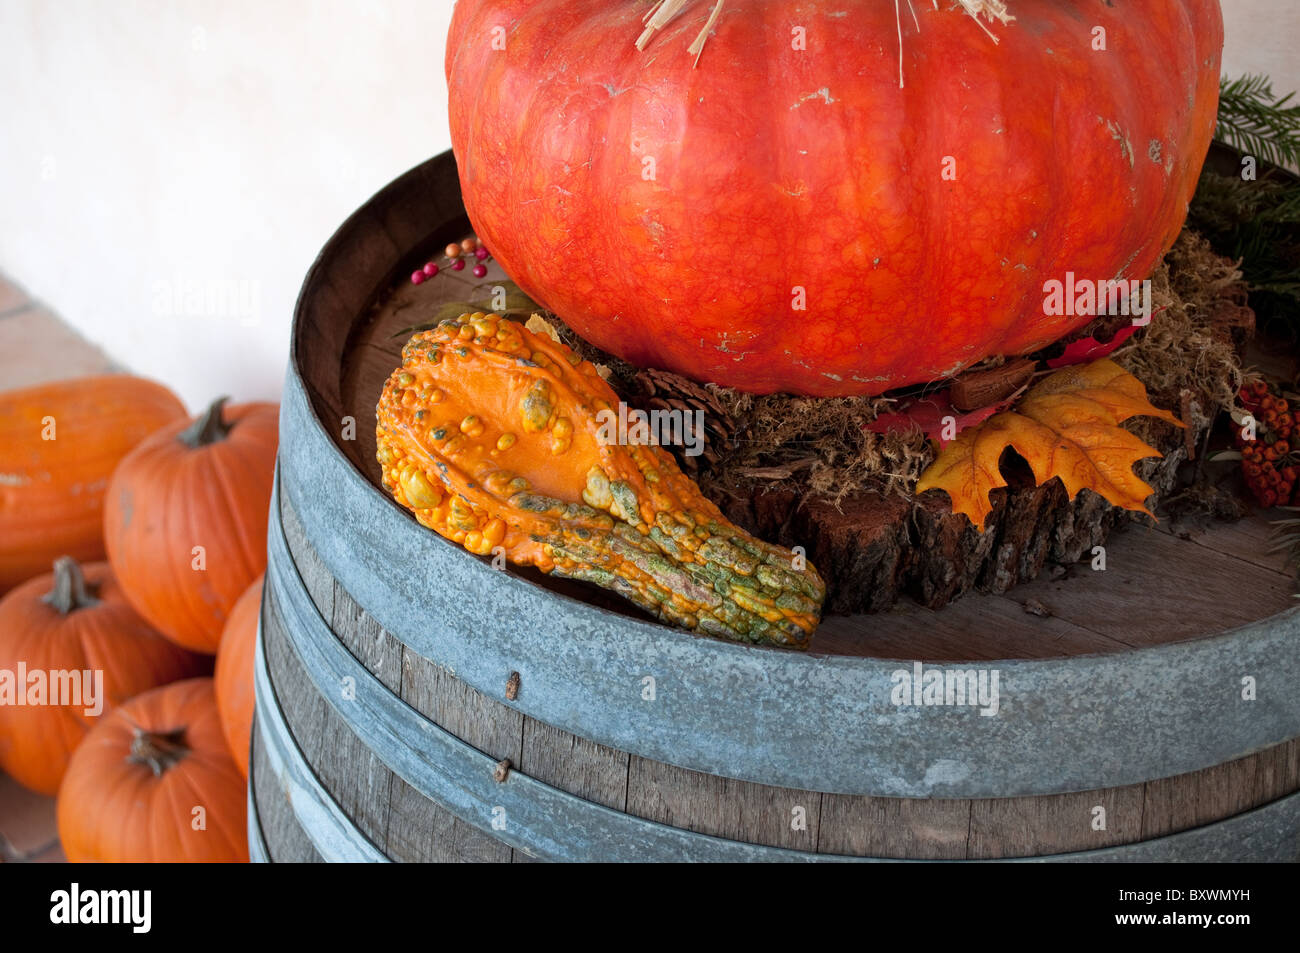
(132, 550)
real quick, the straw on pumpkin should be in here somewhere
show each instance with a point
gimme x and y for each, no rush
(663, 11)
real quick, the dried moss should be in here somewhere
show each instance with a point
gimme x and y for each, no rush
(1181, 349)
(822, 446)
(819, 444)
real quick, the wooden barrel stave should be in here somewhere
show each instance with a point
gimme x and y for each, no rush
(288, 792)
(1256, 834)
(664, 795)
(269, 809)
(258, 852)
(1265, 834)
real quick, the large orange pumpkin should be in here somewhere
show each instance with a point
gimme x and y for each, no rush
(234, 674)
(185, 519)
(679, 216)
(75, 623)
(59, 444)
(154, 783)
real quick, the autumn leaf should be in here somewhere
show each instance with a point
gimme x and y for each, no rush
(1066, 426)
(932, 415)
(1090, 349)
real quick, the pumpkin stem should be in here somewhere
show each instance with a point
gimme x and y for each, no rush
(159, 750)
(71, 591)
(208, 428)
(662, 11)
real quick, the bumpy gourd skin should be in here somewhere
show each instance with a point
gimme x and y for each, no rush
(489, 434)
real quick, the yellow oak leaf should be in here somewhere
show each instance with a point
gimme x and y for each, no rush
(1066, 426)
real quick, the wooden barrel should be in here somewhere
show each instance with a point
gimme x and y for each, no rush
(414, 703)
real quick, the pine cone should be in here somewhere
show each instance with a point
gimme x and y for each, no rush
(664, 390)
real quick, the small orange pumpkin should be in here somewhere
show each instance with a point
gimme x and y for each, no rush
(59, 443)
(234, 675)
(185, 519)
(72, 622)
(154, 783)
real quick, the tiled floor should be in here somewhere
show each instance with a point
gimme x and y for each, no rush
(27, 828)
(12, 297)
(35, 346)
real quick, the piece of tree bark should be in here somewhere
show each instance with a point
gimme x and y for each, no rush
(872, 549)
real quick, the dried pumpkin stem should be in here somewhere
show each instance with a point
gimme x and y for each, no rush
(71, 591)
(209, 428)
(663, 11)
(697, 47)
(160, 751)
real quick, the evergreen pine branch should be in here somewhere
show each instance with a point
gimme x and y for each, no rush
(1254, 120)
(1258, 221)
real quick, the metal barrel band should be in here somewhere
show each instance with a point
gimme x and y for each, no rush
(781, 718)
(553, 825)
(331, 831)
(538, 819)
(257, 852)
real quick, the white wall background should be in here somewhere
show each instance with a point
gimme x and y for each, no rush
(169, 168)
(1263, 36)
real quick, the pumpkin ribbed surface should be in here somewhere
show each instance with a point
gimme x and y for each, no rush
(233, 677)
(74, 622)
(59, 443)
(784, 217)
(154, 783)
(185, 519)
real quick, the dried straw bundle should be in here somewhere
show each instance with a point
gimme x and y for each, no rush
(663, 11)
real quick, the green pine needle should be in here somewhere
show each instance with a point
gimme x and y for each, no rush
(1253, 119)
(1257, 221)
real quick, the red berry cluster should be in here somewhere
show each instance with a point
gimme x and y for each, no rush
(1270, 462)
(457, 253)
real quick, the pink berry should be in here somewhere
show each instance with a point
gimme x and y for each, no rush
(417, 277)
(480, 271)
(430, 270)
(480, 253)
(458, 264)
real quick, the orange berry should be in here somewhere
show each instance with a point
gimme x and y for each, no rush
(468, 245)
(453, 250)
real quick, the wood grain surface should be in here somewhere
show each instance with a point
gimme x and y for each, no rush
(408, 826)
